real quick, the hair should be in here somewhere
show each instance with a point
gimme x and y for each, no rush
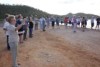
(19, 16)
(10, 17)
(24, 17)
(6, 15)
(30, 18)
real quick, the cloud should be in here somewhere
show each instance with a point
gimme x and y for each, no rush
(70, 1)
(61, 7)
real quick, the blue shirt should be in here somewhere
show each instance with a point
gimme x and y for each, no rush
(18, 22)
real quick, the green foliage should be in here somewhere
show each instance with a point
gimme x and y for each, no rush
(30, 11)
(20, 9)
(1, 20)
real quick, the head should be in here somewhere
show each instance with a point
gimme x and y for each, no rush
(79, 17)
(11, 19)
(92, 16)
(24, 18)
(20, 16)
(65, 17)
(6, 17)
(30, 19)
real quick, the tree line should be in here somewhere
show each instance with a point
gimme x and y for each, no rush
(30, 11)
(21, 9)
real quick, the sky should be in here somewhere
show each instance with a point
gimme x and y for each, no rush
(60, 7)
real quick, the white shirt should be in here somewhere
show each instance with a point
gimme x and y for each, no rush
(13, 35)
(72, 20)
(5, 27)
(78, 19)
(92, 20)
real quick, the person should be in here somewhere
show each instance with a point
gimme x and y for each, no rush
(66, 21)
(92, 22)
(13, 38)
(74, 24)
(61, 20)
(36, 20)
(6, 23)
(57, 21)
(83, 24)
(78, 21)
(48, 22)
(42, 23)
(21, 30)
(72, 21)
(25, 28)
(31, 24)
(53, 22)
(98, 23)
(69, 21)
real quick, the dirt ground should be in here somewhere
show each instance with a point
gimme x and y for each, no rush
(55, 48)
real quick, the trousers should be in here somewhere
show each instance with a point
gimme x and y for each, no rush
(13, 48)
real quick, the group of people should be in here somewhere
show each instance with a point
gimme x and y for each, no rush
(11, 30)
(81, 22)
(17, 28)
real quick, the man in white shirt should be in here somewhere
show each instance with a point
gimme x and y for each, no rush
(7, 34)
(42, 24)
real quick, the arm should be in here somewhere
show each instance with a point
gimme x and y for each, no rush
(19, 26)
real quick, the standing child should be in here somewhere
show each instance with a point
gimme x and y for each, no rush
(5, 28)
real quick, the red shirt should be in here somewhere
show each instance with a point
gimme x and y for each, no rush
(66, 20)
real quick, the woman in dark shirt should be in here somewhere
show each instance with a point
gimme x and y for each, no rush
(21, 30)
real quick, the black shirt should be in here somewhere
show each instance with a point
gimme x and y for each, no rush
(30, 24)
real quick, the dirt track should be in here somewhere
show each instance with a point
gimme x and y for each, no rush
(47, 50)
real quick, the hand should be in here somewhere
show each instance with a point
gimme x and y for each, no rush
(23, 23)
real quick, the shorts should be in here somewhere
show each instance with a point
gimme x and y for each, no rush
(20, 34)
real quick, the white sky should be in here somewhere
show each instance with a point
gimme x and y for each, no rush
(61, 7)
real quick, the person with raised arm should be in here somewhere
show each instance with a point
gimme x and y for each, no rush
(13, 38)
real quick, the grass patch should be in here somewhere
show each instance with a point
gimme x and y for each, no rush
(1, 20)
